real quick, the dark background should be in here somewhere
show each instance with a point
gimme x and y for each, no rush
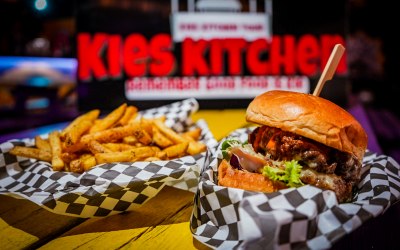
(93, 16)
(369, 27)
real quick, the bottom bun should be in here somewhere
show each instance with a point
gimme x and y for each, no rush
(230, 177)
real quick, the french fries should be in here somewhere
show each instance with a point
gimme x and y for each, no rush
(109, 120)
(192, 135)
(120, 136)
(95, 147)
(35, 153)
(76, 132)
(160, 139)
(168, 132)
(117, 133)
(89, 116)
(116, 147)
(176, 150)
(83, 163)
(130, 113)
(125, 156)
(56, 150)
(42, 143)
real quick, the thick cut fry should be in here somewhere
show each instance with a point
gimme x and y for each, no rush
(162, 155)
(168, 132)
(140, 133)
(112, 157)
(34, 153)
(142, 136)
(161, 140)
(131, 140)
(75, 133)
(84, 163)
(147, 125)
(130, 113)
(188, 138)
(176, 150)
(80, 146)
(75, 166)
(109, 120)
(68, 157)
(42, 143)
(56, 150)
(196, 147)
(115, 147)
(125, 156)
(155, 149)
(89, 116)
(88, 162)
(193, 133)
(95, 147)
(110, 135)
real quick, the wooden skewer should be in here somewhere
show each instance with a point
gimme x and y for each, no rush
(330, 68)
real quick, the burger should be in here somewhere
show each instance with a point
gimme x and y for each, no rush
(301, 139)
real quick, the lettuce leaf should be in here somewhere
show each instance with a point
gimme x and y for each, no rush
(290, 175)
(227, 144)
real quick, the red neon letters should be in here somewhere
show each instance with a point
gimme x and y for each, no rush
(105, 56)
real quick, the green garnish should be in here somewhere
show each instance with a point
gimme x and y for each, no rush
(226, 145)
(290, 175)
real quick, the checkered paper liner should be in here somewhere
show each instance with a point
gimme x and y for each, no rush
(107, 188)
(305, 217)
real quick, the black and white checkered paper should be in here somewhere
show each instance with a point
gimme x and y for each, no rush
(107, 188)
(305, 217)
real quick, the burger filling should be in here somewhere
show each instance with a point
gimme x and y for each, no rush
(294, 160)
(283, 146)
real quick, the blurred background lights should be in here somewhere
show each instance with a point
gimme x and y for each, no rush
(40, 4)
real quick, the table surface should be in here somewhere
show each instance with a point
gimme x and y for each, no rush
(162, 222)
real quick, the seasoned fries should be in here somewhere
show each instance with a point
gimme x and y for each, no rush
(130, 113)
(125, 156)
(168, 132)
(95, 147)
(55, 144)
(192, 135)
(43, 144)
(160, 139)
(195, 147)
(176, 150)
(89, 116)
(109, 120)
(76, 132)
(84, 163)
(116, 147)
(34, 153)
(120, 136)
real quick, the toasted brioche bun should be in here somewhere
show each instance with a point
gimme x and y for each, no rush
(230, 177)
(310, 116)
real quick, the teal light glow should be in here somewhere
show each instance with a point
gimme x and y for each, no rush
(40, 4)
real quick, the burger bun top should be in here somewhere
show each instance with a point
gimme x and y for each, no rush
(310, 116)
